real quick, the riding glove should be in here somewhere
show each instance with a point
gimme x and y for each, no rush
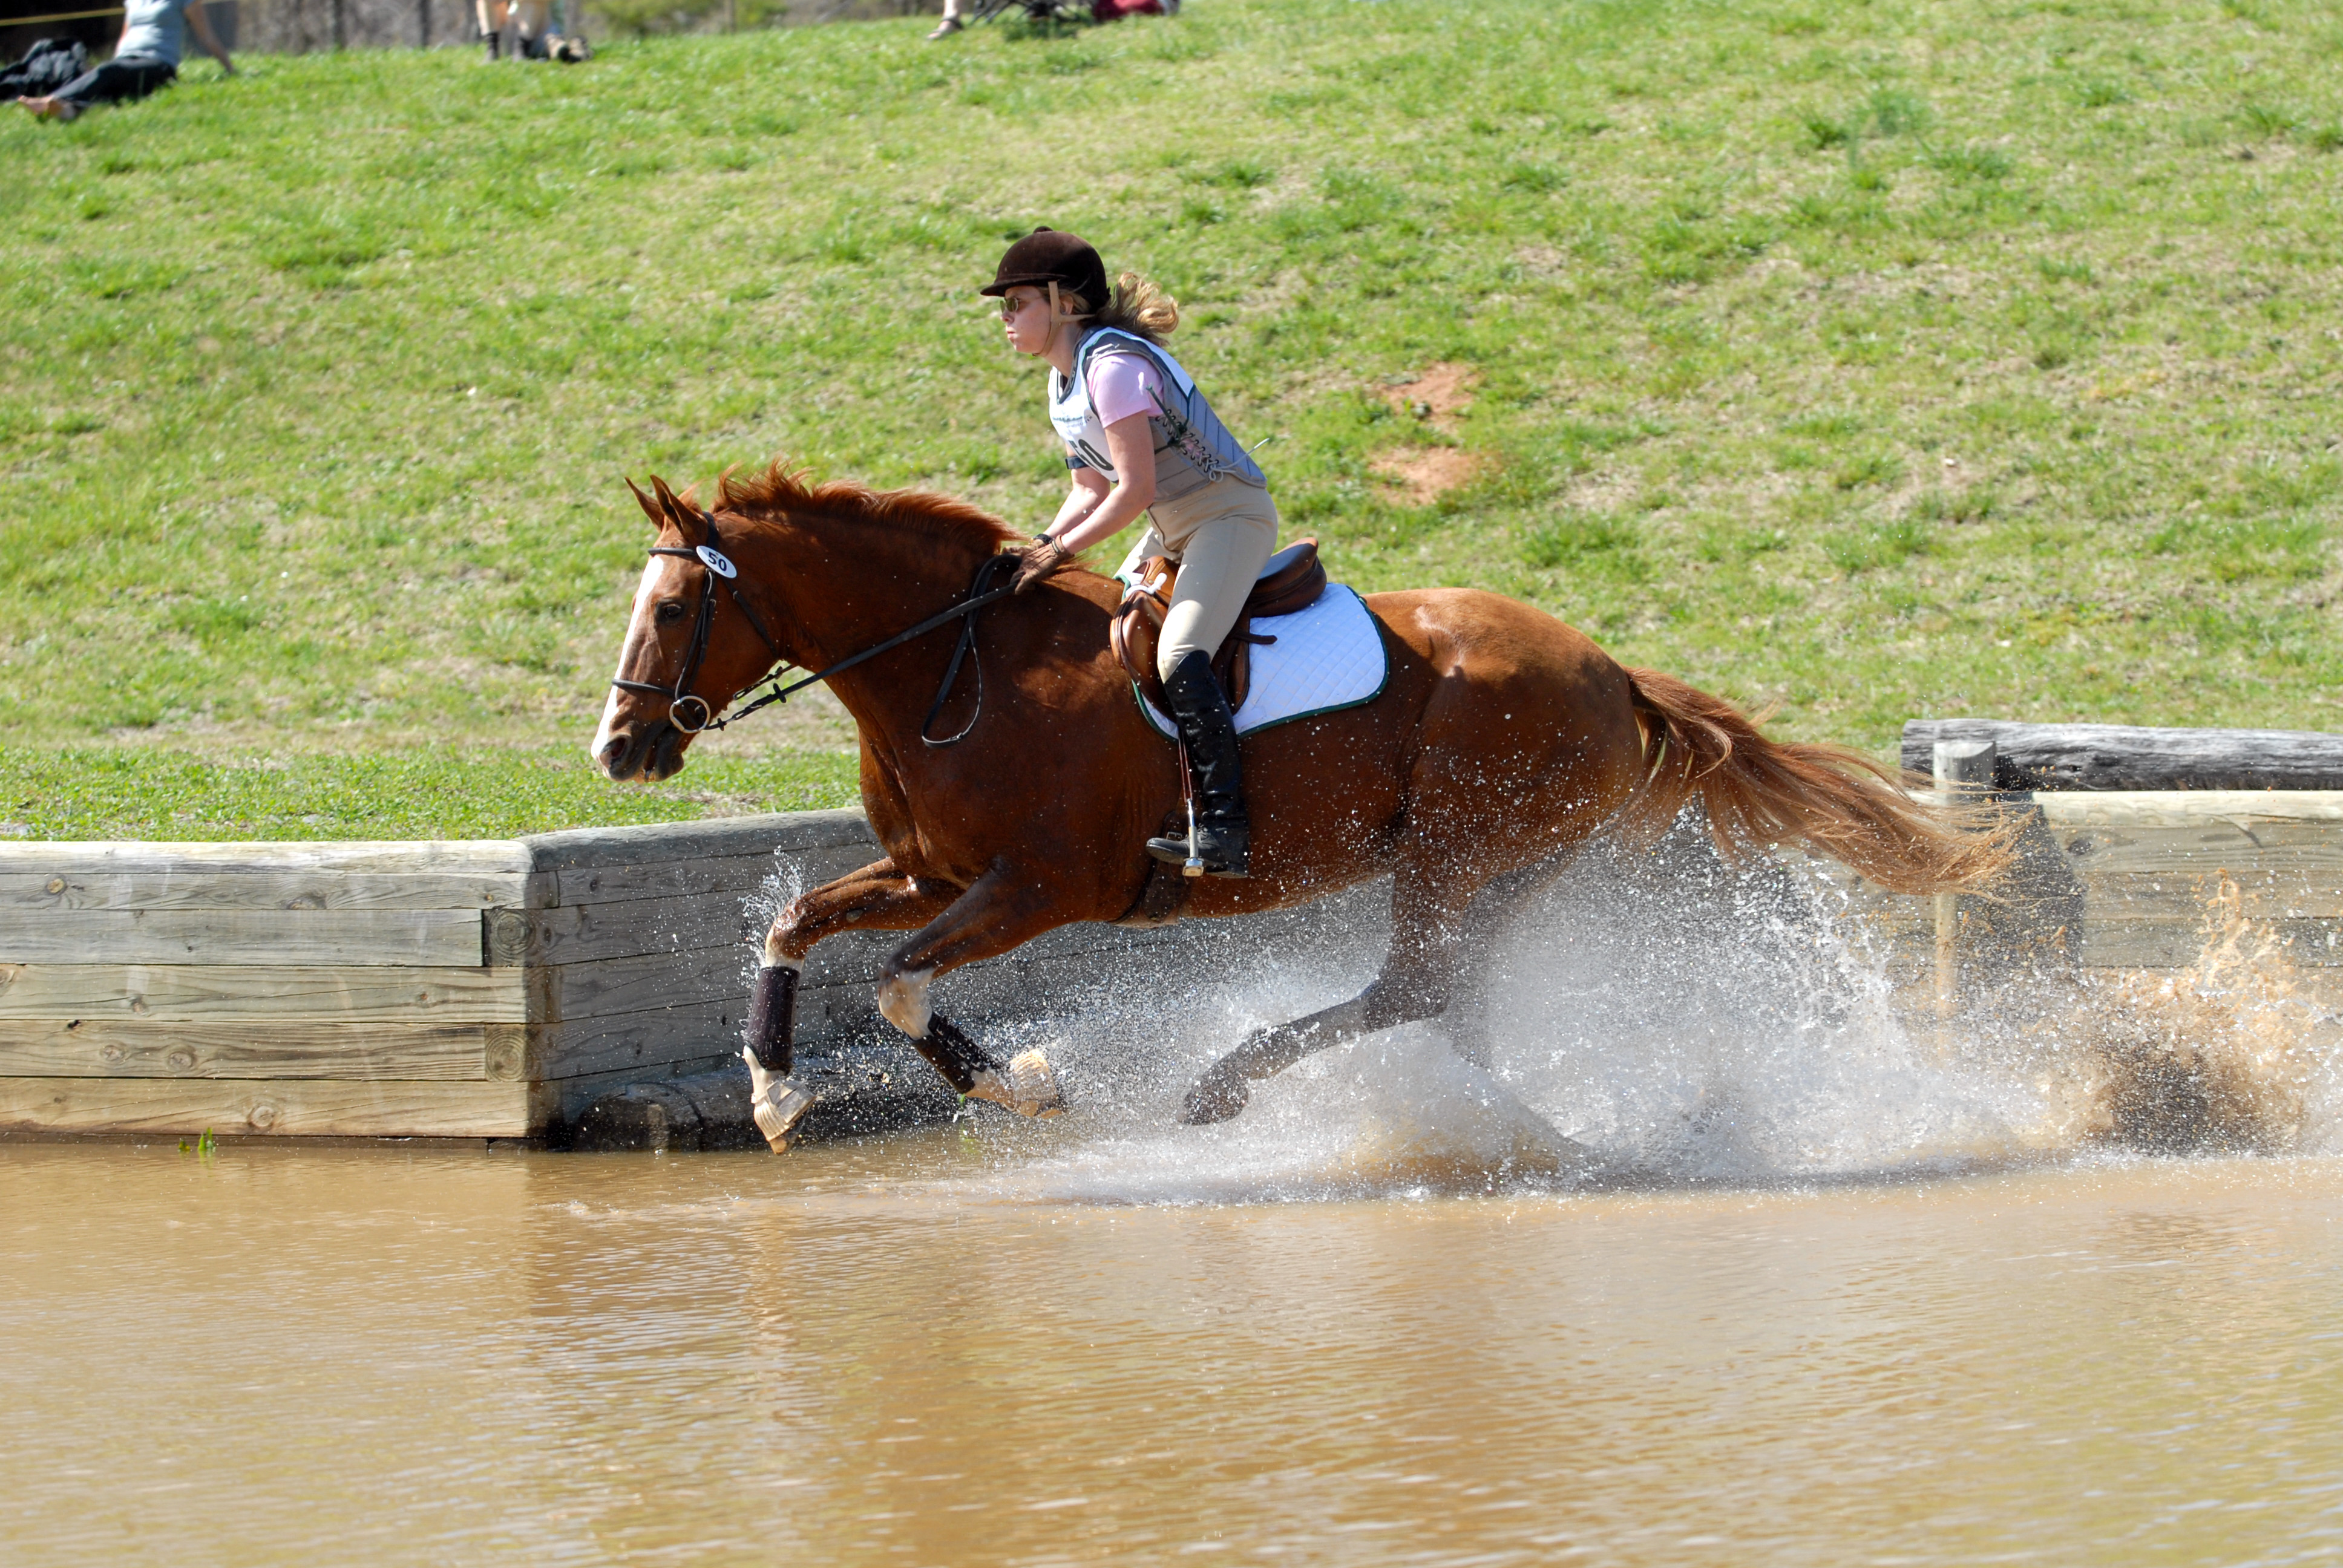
(1039, 559)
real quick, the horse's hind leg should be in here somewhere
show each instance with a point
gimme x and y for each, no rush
(1417, 982)
(1492, 918)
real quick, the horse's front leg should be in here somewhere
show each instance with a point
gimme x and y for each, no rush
(878, 896)
(1003, 910)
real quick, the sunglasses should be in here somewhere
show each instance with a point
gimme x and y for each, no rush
(1010, 305)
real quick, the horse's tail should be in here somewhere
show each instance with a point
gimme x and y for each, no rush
(1839, 803)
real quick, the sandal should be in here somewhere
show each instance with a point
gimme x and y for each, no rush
(945, 28)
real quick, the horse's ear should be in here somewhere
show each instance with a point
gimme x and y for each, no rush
(650, 506)
(677, 512)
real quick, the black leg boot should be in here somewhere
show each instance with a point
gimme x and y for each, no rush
(778, 1102)
(1209, 730)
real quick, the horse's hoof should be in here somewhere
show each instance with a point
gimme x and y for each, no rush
(1219, 1094)
(1030, 1087)
(778, 1103)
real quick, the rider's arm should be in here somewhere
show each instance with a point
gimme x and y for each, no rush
(1131, 449)
(206, 40)
(1090, 488)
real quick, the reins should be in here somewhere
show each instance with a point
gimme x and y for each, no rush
(721, 572)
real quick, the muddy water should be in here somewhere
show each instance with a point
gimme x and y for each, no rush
(941, 1349)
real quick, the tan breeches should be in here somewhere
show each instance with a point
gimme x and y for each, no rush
(1222, 547)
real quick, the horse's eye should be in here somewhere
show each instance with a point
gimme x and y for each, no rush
(671, 612)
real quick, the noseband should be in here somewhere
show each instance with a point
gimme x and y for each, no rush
(691, 713)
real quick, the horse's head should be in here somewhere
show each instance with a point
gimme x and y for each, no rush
(692, 646)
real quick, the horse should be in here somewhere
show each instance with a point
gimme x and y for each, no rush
(1501, 740)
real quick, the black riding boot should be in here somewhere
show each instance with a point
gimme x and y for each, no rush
(1209, 730)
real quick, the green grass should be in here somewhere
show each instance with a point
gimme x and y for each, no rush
(1863, 361)
(121, 792)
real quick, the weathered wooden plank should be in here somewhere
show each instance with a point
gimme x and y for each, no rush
(281, 1107)
(2269, 819)
(2262, 895)
(738, 876)
(310, 890)
(407, 937)
(642, 983)
(216, 992)
(145, 1048)
(2057, 756)
(2284, 868)
(615, 1041)
(47, 857)
(722, 837)
(581, 933)
(2179, 942)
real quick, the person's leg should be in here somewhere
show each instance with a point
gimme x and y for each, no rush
(1218, 563)
(952, 23)
(117, 81)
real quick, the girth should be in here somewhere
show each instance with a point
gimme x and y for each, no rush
(1137, 629)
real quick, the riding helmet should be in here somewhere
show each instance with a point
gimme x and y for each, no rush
(1051, 256)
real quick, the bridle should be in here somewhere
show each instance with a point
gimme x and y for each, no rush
(692, 714)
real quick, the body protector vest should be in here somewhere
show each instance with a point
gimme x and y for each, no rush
(1192, 447)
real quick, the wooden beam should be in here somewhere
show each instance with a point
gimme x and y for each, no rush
(2056, 757)
(641, 984)
(581, 933)
(215, 993)
(299, 890)
(442, 938)
(715, 838)
(2141, 941)
(616, 1042)
(734, 875)
(283, 1107)
(144, 1048)
(2314, 813)
(70, 858)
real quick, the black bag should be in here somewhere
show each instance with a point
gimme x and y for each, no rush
(46, 66)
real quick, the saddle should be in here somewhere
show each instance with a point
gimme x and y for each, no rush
(1292, 581)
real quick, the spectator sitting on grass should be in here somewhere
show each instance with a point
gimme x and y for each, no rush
(153, 36)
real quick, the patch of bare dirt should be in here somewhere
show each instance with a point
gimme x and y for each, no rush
(1429, 474)
(1435, 395)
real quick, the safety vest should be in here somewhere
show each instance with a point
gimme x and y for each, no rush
(1188, 422)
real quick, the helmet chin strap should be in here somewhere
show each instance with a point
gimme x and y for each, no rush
(1059, 320)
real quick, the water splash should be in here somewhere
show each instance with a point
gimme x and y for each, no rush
(2235, 1054)
(1657, 1018)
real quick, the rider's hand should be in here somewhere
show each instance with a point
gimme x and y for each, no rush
(1039, 559)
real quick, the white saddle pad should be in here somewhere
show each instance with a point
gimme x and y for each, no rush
(1326, 657)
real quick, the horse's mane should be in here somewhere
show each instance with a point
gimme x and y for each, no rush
(781, 489)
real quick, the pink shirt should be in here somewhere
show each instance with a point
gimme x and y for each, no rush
(1122, 384)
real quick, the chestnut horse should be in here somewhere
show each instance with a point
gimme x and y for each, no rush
(1501, 740)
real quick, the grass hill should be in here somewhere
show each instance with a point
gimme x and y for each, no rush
(1866, 360)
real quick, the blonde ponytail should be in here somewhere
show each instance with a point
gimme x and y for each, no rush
(1137, 307)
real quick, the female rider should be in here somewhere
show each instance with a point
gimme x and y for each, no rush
(1140, 437)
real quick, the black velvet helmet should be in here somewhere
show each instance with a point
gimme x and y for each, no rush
(1049, 256)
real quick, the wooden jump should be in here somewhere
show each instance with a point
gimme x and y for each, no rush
(496, 990)
(2112, 756)
(414, 989)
